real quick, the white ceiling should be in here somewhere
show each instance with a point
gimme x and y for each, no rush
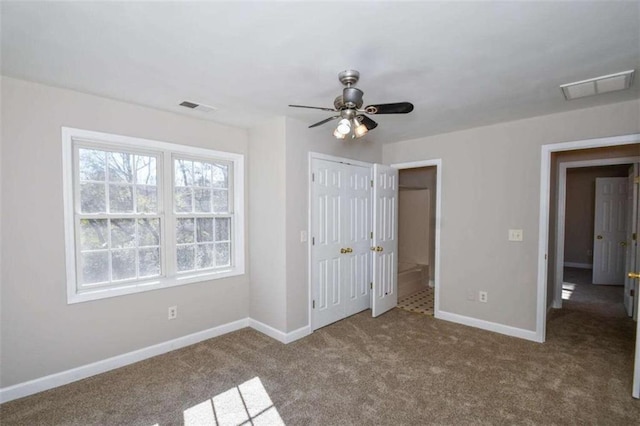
(461, 64)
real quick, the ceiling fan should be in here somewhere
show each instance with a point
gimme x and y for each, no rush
(348, 105)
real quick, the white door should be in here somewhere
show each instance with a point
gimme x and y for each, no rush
(609, 244)
(357, 239)
(636, 272)
(632, 211)
(385, 242)
(326, 230)
(340, 238)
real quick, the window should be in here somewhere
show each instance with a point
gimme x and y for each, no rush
(141, 214)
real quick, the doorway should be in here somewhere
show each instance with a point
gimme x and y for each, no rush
(594, 254)
(550, 259)
(576, 240)
(416, 239)
(419, 213)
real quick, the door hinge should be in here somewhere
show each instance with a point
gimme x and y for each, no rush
(371, 235)
(313, 177)
(313, 305)
(313, 241)
(371, 285)
(371, 183)
(631, 292)
(634, 236)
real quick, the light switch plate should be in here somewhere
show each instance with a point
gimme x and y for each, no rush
(515, 235)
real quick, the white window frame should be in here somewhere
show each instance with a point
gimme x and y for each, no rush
(165, 151)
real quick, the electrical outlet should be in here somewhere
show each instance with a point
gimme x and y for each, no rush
(483, 296)
(173, 312)
(515, 235)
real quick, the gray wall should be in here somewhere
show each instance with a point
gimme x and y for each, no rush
(579, 213)
(267, 223)
(491, 183)
(41, 334)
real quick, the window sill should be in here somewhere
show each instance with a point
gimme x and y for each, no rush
(105, 293)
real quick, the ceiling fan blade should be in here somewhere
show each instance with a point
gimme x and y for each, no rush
(395, 108)
(368, 123)
(320, 123)
(310, 107)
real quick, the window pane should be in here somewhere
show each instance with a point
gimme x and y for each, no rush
(123, 264)
(121, 198)
(147, 199)
(186, 258)
(95, 267)
(205, 256)
(120, 167)
(123, 233)
(220, 176)
(145, 170)
(220, 201)
(149, 262)
(93, 234)
(202, 173)
(148, 232)
(92, 198)
(183, 200)
(184, 231)
(202, 200)
(204, 229)
(183, 172)
(222, 229)
(92, 163)
(222, 254)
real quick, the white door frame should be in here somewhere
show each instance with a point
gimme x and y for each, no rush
(543, 228)
(562, 207)
(319, 156)
(436, 272)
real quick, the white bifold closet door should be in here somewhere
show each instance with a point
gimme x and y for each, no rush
(341, 240)
(354, 244)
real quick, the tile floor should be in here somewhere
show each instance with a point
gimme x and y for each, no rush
(420, 302)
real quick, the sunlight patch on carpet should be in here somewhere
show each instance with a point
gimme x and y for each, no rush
(567, 290)
(246, 404)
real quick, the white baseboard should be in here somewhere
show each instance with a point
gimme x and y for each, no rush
(64, 377)
(263, 328)
(280, 336)
(490, 326)
(578, 265)
(297, 334)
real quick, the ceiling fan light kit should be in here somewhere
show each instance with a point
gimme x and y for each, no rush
(353, 123)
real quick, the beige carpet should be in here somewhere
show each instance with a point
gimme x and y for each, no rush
(398, 369)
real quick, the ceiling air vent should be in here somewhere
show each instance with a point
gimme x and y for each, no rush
(197, 107)
(598, 85)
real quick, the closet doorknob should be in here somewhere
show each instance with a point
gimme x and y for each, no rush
(634, 275)
(343, 250)
(349, 250)
(379, 248)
